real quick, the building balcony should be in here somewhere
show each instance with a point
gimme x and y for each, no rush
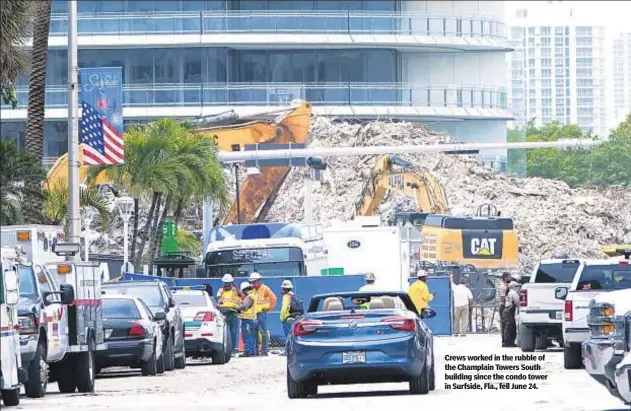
(279, 29)
(400, 100)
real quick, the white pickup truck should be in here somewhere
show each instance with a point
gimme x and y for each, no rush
(540, 313)
(592, 278)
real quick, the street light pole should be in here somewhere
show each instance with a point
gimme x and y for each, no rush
(236, 176)
(125, 208)
(87, 215)
(74, 219)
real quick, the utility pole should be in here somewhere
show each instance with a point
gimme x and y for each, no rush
(74, 217)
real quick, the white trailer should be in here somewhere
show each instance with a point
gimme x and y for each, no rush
(36, 241)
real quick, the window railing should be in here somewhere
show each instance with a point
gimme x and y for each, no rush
(235, 22)
(277, 94)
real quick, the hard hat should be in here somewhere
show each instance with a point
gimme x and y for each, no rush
(245, 285)
(254, 276)
(227, 279)
(421, 273)
(287, 284)
(514, 284)
(370, 277)
(560, 255)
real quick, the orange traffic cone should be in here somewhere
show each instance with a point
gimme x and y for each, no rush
(241, 349)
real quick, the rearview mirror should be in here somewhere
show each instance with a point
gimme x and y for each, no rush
(67, 294)
(171, 302)
(560, 293)
(11, 285)
(160, 316)
(428, 313)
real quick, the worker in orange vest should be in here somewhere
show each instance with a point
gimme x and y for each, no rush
(265, 302)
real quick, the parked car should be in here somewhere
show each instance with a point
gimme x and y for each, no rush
(205, 330)
(133, 335)
(339, 342)
(159, 299)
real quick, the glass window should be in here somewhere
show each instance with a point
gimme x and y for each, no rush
(253, 66)
(14, 131)
(151, 295)
(215, 65)
(90, 58)
(140, 5)
(280, 67)
(192, 65)
(167, 66)
(304, 67)
(55, 138)
(140, 66)
(87, 6)
(147, 310)
(28, 287)
(196, 300)
(114, 58)
(605, 277)
(57, 68)
(120, 308)
(556, 272)
(60, 6)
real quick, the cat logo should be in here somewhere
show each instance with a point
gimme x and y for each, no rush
(483, 246)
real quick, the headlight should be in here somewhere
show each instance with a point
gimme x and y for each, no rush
(27, 325)
(603, 323)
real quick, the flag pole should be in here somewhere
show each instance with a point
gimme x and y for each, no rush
(74, 218)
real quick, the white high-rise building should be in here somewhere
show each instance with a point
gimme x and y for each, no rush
(559, 69)
(621, 62)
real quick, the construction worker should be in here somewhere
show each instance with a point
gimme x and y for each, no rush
(370, 283)
(503, 289)
(419, 292)
(463, 302)
(285, 312)
(510, 308)
(247, 313)
(229, 298)
(265, 302)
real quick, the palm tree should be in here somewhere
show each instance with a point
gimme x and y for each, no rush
(56, 203)
(17, 167)
(15, 16)
(37, 92)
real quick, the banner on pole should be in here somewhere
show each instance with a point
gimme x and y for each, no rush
(101, 123)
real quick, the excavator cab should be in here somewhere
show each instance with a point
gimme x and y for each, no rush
(488, 210)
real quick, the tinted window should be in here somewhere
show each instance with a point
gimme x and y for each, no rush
(352, 303)
(605, 277)
(478, 224)
(556, 273)
(150, 295)
(196, 300)
(119, 308)
(28, 288)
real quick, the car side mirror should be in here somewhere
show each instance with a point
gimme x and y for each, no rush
(560, 293)
(428, 313)
(11, 285)
(67, 294)
(171, 302)
(159, 316)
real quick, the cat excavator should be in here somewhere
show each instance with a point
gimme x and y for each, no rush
(229, 131)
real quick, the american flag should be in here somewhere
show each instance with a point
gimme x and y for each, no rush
(103, 144)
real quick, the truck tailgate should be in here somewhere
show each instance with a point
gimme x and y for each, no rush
(580, 307)
(541, 296)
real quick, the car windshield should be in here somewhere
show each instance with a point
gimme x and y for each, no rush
(556, 272)
(120, 309)
(605, 277)
(196, 300)
(284, 269)
(149, 294)
(28, 287)
(359, 303)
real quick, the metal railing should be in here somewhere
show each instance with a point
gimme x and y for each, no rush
(273, 94)
(304, 22)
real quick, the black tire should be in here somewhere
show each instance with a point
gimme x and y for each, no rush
(229, 350)
(66, 379)
(295, 389)
(149, 367)
(432, 377)
(37, 382)
(572, 356)
(169, 357)
(160, 364)
(180, 362)
(312, 389)
(219, 357)
(84, 371)
(527, 340)
(541, 342)
(420, 385)
(11, 398)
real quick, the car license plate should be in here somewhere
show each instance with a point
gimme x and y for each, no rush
(559, 315)
(108, 333)
(353, 357)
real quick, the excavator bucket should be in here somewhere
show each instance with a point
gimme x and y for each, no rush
(59, 171)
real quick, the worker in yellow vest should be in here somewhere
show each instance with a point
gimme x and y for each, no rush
(247, 313)
(265, 302)
(419, 292)
(229, 298)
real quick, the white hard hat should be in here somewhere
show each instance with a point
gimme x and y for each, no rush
(421, 273)
(254, 276)
(286, 284)
(245, 285)
(227, 279)
(370, 277)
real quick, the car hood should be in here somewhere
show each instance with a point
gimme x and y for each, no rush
(620, 299)
(26, 305)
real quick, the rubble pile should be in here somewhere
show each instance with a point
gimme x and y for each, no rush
(549, 215)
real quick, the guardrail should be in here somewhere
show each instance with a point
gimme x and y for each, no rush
(305, 22)
(278, 94)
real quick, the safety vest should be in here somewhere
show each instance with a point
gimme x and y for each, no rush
(250, 313)
(228, 298)
(263, 296)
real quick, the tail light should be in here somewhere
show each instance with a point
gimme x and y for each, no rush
(523, 298)
(401, 324)
(625, 262)
(137, 330)
(306, 327)
(567, 310)
(204, 316)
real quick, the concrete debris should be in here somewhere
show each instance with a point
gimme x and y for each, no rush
(549, 215)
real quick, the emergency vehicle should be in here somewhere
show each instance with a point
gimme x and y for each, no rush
(11, 372)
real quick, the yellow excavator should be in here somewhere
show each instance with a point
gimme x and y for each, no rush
(228, 129)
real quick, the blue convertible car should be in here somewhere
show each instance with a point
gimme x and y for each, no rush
(360, 337)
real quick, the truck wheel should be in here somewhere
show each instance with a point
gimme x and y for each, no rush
(169, 357)
(11, 398)
(541, 342)
(572, 356)
(149, 367)
(527, 340)
(85, 369)
(37, 382)
(66, 378)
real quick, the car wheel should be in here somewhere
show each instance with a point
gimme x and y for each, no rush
(420, 384)
(66, 379)
(572, 356)
(37, 382)
(432, 377)
(149, 367)
(219, 357)
(11, 398)
(295, 389)
(228, 348)
(527, 340)
(169, 358)
(85, 369)
(541, 342)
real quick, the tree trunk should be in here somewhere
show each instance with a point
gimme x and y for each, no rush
(153, 226)
(132, 252)
(36, 100)
(177, 215)
(157, 235)
(145, 230)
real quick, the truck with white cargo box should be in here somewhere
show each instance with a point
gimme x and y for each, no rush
(35, 240)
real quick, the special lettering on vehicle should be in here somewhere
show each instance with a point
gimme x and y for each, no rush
(253, 254)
